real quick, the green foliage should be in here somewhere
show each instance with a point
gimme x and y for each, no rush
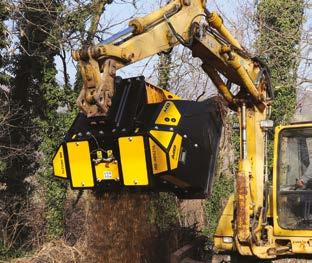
(164, 65)
(222, 188)
(280, 27)
(55, 195)
(38, 94)
(55, 190)
(164, 211)
(52, 129)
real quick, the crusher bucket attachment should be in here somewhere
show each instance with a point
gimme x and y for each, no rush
(151, 140)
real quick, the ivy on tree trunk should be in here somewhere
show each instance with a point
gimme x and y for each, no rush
(279, 25)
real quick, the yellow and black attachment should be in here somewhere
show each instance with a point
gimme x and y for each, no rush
(150, 140)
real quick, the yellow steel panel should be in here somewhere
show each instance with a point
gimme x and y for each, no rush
(225, 226)
(169, 115)
(174, 152)
(300, 245)
(59, 163)
(159, 159)
(163, 137)
(107, 171)
(80, 164)
(133, 160)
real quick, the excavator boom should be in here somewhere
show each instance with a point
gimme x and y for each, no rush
(131, 135)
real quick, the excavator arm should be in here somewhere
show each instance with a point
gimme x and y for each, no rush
(180, 22)
(133, 135)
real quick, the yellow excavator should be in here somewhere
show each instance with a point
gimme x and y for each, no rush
(131, 135)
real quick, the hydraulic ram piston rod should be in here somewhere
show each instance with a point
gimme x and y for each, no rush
(117, 36)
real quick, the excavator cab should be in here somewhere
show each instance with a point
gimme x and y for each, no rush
(285, 220)
(150, 140)
(293, 180)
